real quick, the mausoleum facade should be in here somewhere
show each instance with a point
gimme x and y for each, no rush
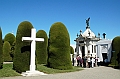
(88, 44)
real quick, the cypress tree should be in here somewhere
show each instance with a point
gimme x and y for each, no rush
(10, 38)
(71, 50)
(116, 49)
(1, 51)
(59, 47)
(41, 47)
(6, 51)
(21, 61)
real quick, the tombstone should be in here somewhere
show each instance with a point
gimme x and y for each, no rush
(32, 39)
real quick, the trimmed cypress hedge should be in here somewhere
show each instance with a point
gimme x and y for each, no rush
(116, 48)
(6, 51)
(1, 51)
(71, 50)
(21, 61)
(41, 48)
(10, 38)
(59, 47)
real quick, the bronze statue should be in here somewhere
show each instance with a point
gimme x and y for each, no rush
(87, 21)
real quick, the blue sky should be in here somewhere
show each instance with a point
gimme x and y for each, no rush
(104, 15)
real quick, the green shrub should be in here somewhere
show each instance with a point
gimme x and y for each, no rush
(116, 49)
(6, 51)
(1, 50)
(10, 38)
(12, 51)
(71, 50)
(21, 61)
(59, 47)
(41, 47)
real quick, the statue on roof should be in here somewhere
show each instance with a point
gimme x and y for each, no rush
(87, 21)
(104, 35)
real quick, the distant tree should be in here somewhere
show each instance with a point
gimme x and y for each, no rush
(116, 50)
(10, 38)
(71, 50)
(6, 51)
(21, 61)
(12, 51)
(41, 47)
(59, 47)
(118, 59)
(1, 50)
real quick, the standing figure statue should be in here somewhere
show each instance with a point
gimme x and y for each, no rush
(104, 35)
(87, 21)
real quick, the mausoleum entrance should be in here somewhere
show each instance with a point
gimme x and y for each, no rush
(83, 51)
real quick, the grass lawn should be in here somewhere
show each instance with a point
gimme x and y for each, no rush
(47, 70)
(7, 70)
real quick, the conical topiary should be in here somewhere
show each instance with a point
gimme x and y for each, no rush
(10, 38)
(41, 47)
(115, 50)
(21, 61)
(71, 50)
(6, 51)
(59, 47)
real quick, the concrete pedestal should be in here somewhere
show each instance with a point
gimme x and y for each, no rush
(32, 73)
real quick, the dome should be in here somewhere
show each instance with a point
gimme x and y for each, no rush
(88, 33)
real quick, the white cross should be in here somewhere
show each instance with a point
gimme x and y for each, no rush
(33, 40)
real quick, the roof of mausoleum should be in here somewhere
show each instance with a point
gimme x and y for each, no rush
(88, 33)
(104, 41)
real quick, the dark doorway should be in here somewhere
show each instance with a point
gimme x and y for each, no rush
(83, 51)
(104, 58)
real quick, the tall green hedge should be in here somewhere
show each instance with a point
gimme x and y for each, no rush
(6, 51)
(116, 50)
(59, 47)
(21, 59)
(12, 51)
(10, 38)
(71, 50)
(1, 51)
(41, 47)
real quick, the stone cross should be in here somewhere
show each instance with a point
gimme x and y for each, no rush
(33, 40)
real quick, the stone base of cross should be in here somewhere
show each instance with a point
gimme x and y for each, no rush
(32, 73)
(32, 39)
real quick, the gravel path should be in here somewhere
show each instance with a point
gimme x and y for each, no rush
(89, 73)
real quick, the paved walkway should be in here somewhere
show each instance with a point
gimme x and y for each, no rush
(89, 73)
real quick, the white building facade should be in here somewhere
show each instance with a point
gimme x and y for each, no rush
(88, 44)
(104, 50)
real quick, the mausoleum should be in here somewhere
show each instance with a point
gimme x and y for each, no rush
(104, 50)
(88, 44)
